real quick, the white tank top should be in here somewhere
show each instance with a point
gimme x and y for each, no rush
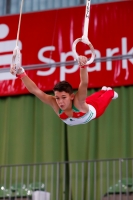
(71, 121)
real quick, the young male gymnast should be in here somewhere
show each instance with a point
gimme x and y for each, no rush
(73, 109)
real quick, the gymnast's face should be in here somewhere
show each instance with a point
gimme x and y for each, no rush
(64, 100)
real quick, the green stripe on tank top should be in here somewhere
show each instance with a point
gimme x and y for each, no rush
(60, 111)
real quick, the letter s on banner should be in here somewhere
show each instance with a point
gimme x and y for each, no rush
(46, 60)
(64, 70)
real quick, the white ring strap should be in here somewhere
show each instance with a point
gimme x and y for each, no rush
(84, 38)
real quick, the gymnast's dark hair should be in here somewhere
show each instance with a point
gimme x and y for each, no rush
(63, 86)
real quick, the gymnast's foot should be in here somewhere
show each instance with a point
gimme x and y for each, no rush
(104, 88)
(115, 93)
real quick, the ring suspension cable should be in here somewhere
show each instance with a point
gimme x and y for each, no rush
(84, 39)
(16, 57)
(18, 32)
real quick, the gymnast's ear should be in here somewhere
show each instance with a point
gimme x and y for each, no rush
(72, 96)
